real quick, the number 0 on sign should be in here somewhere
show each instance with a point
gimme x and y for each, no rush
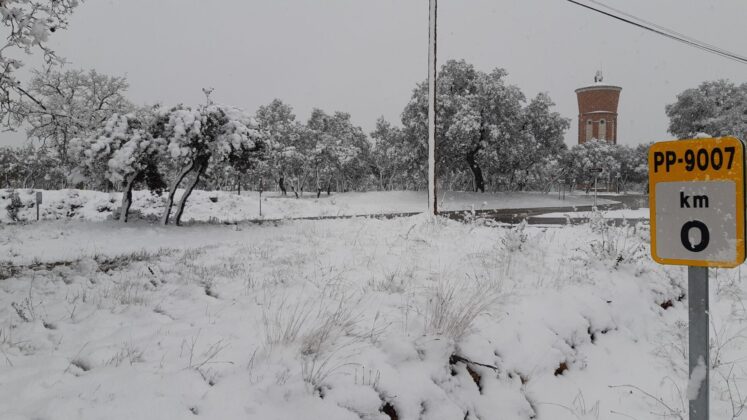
(696, 195)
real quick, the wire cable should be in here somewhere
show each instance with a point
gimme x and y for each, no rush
(660, 30)
(657, 26)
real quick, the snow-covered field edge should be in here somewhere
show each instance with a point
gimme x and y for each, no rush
(351, 319)
(224, 206)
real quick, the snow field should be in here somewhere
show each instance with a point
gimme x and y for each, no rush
(642, 213)
(230, 207)
(351, 319)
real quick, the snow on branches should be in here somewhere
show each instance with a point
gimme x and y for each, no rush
(28, 25)
(121, 151)
(196, 137)
(183, 140)
(70, 104)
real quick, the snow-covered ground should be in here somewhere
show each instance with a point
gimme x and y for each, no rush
(351, 319)
(642, 213)
(230, 207)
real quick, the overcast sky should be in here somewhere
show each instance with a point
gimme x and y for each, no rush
(365, 56)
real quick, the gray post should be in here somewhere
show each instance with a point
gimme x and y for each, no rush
(38, 203)
(596, 177)
(697, 309)
(432, 18)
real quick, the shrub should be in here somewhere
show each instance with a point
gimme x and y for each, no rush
(14, 206)
(453, 306)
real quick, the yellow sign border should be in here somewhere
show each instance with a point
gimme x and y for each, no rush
(736, 174)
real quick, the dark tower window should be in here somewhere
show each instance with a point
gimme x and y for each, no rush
(589, 130)
(602, 130)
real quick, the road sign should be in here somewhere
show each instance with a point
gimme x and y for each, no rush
(696, 195)
(595, 170)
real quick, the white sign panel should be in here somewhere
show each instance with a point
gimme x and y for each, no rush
(695, 220)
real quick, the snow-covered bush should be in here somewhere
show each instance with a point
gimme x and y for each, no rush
(453, 306)
(515, 237)
(615, 245)
(201, 136)
(13, 206)
(122, 151)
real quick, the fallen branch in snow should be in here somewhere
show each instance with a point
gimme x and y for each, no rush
(456, 358)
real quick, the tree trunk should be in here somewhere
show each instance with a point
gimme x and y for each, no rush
(187, 192)
(390, 182)
(476, 173)
(127, 198)
(172, 192)
(318, 184)
(281, 184)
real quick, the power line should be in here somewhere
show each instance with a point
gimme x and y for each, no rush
(660, 30)
(665, 32)
(663, 28)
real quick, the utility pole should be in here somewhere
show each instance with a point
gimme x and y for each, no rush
(432, 198)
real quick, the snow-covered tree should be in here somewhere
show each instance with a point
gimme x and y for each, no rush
(546, 127)
(482, 124)
(633, 165)
(341, 150)
(238, 168)
(286, 148)
(476, 112)
(717, 108)
(196, 137)
(28, 25)
(26, 167)
(581, 158)
(326, 148)
(123, 150)
(392, 156)
(71, 104)
(533, 150)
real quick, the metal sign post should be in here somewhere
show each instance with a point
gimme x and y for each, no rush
(697, 200)
(260, 197)
(38, 203)
(698, 354)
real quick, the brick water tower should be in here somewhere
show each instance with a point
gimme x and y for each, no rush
(597, 111)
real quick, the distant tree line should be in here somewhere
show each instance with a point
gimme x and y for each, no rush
(84, 133)
(489, 137)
